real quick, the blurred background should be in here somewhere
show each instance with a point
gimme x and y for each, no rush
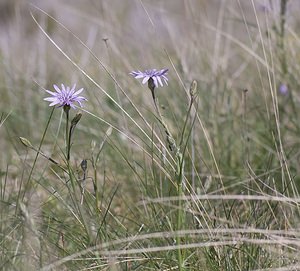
(227, 46)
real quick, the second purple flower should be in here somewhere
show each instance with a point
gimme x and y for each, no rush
(158, 76)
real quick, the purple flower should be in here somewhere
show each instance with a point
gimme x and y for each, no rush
(264, 8)
(283, 89)
(157, 76)
(65, 96)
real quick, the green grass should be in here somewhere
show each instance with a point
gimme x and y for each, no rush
(223, 197)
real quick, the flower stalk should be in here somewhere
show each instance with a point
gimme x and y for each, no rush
(66, 97)
(155, 78)
(67, 136)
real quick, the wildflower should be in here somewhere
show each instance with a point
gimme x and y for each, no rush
(152, 77)
(65, 96)
(283, 89)
(264, 8)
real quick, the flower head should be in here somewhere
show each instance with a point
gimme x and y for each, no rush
(283, 89)
(156, 76)
(264, 8)
(65, 96)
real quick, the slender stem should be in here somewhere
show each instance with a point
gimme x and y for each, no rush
(170, 139)
(67, 109)
(84, 168)
(245, 128)
(69, 143)
(48, 158)
(155, 103)
(180, 218)
(186, 120)
(179, 171)
(96, 187)
(28, 184)
(283, 6)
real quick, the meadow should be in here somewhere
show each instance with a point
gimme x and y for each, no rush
(177, 149)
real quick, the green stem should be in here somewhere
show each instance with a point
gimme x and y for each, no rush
(180, 217)
(179, 172)
(186, 120)
(48, 158)
(96, 188)
(170, 139)
(68, 139)
(283, 6)
(29, 182)
(76, 202)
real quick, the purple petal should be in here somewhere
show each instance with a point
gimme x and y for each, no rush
(163, 71)
(159, 80)
(139, 76)
(72, 90)
(145, 79)
(57, 88)
(79, 102)
(52, 93)
(78, 92)
(54, 103)
(63, 89)
(81, 98)
(135, 73)
(51, 99)
(155, 81)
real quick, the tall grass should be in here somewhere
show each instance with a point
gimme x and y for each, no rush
(204, 176)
